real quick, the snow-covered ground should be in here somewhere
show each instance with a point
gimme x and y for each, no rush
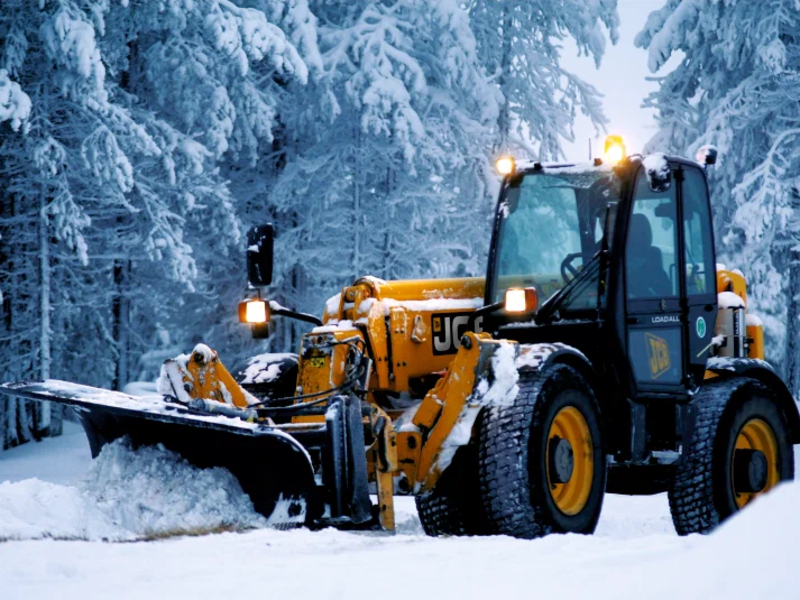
(634, 554)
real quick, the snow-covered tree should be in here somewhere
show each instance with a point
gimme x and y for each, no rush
(737, 87)
(141, 139)
(519, 45)
(379, 148)
(394, 145)
(122, 116)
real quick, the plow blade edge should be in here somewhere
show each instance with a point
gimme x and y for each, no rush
(269, 464)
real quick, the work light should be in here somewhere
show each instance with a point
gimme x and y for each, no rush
(521, 300)
(614, 149)
(506, 165)
(253, 311)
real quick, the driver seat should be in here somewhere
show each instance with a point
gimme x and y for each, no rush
(646, 275)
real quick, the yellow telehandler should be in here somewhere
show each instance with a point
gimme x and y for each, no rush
(604, 351)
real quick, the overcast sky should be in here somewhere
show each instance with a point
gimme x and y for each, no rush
(622, 80)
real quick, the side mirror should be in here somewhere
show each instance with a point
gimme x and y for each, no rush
(259, 254)
(707, 155)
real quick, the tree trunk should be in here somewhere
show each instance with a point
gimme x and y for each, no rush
(120, 310)
(357, 204)
(41, 425)
(57, 412)
(504, 119)
(792, 325)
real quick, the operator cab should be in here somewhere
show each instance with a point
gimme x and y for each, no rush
(550, 227)
(622, 258)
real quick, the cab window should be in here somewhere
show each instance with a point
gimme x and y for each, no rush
(700, 272)
(650, 260)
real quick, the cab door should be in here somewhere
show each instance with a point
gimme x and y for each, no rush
(655, 314)
(699, 268)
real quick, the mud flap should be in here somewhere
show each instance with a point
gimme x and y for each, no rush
(269, 464)
(345, 464)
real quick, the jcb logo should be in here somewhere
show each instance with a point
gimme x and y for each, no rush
(657, 355)
(448, 329)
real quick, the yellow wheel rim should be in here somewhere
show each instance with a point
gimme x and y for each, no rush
(757, 435)
(570, 425)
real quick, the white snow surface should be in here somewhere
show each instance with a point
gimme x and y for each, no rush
(151, 404)
(502, 392)
(754, 320)
(656, 166)
(729, 300)
(332, 304)
(126, 495)
(430, 305)
(634, 553)
(504, 388)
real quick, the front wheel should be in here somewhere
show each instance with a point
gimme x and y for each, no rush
(452, 508)
(740, 448)
(542, 462)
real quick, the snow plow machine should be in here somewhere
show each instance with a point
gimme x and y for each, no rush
(640, 371)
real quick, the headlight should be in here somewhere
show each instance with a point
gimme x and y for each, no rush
(521, 300)
(253, 311)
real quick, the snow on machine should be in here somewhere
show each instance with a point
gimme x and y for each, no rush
(641, 371)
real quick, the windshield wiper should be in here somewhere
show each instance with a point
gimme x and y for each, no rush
(554, 302)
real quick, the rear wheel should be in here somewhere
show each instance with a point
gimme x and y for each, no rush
(739, 449)
(542, 462)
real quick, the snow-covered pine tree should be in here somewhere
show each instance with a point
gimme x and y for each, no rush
(394, 145)
(158, 130)
(519, 45)
(737, 87)
(114, 200)
(386, 163)
(241, 59)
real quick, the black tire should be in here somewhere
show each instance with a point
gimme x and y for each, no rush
(453, 506)
(702, 494)
(512, 470)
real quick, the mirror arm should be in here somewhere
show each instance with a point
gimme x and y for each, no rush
(484, 310)
(285, 312)
(489, 308)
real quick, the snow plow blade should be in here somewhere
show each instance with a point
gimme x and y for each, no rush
(272, 466)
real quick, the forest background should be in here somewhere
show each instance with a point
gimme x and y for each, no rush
(140, 139)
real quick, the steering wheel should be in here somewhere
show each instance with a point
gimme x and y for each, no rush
(569, 272)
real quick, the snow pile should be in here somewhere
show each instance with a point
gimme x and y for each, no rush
(504, 389)
(502, 392)
(140, 388)
(127, 495)
(767, 529)
(332, 305)
(658, 173)
(729, 300)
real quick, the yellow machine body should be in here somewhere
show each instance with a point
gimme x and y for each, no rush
(426, 365)
(413, 327)
(735, 282)
(422, 376)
